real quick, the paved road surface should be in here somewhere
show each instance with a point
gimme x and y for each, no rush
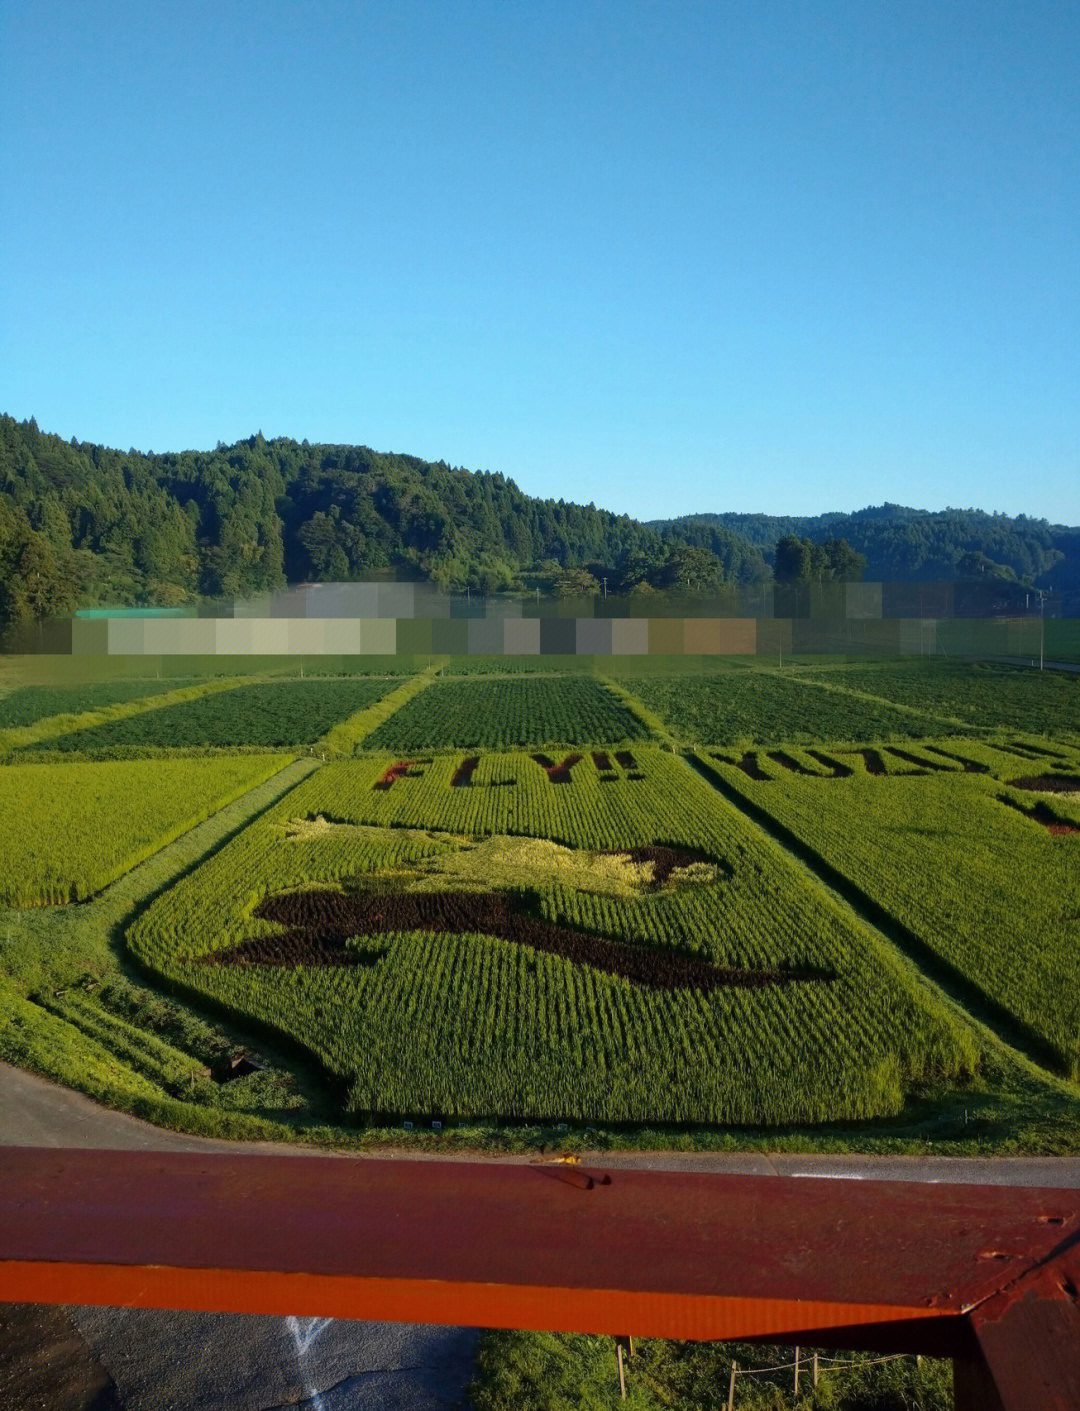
(35, 1112)
(100, 1359)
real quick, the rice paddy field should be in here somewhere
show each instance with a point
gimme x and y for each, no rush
(721, 906)
(271, 714)
(976, 694)
(723, 708)
(497, 714)
(967, 851)
(33, 703)
(70, 829)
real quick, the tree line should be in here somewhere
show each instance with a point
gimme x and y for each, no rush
(900, 544)
(82, 523)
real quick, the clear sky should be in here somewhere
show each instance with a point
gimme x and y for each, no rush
(668, 257)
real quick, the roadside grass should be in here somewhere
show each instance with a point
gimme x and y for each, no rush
(526, 1371)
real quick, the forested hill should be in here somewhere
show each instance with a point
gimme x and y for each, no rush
(81, 523)
(911, 545)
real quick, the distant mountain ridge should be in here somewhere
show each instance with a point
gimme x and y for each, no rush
(82, 524)
(904, 544)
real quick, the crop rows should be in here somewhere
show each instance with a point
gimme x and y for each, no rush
(498, 714)
(71, 828)
(322, 923)
(958, 859)
(729, 707)
(271, 714)
(33, 703)
(470, 1023)
(983, 695)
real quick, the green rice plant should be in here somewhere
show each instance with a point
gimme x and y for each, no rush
(270, 714)
(964, 860)
(729, 707)
(498, 713)
(70, 829)
(979, 694)
(67, 1011)
(347, 737)
(653, 724)
(468, 1025)
(33, 703)
(55, 727)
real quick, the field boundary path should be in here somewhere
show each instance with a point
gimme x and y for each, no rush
(347, 737)
(840, 690)
(949, 984)
(638, 708)
(147, 879)
(49, 1043)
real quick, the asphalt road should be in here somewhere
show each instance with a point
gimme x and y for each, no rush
(103, 1359)
(35, 1112)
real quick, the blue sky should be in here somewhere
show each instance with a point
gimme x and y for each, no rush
(667, 257)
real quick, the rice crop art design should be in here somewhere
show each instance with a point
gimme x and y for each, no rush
(589, 933)
(322, 923)
(322, 926)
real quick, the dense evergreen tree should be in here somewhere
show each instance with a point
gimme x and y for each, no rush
(83, 523)
(918, 546)
(802, 561)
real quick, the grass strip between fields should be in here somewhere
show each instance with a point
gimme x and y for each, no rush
(638, 708)
(348, 737)
(943, 977)
(918, 711)
(1018, 1104)
(52, 727)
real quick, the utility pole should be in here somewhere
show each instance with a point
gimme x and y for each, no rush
(1042, 626)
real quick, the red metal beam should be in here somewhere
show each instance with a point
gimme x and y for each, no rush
(940, 1269)
(1026, 1340)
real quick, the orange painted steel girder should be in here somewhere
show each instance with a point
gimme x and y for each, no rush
(974, 1272)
